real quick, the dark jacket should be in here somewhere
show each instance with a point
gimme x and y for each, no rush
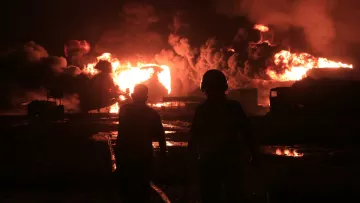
(139, 125)
(218, 128)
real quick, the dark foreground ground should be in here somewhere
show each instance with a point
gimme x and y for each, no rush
(71, 160)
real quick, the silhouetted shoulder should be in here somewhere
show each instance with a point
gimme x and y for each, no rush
(153, 112)
(234, 104)
(201, 107)
(124, 108)
(236, 107)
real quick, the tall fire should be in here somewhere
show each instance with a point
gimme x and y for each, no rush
(295, 65)
(126, 76)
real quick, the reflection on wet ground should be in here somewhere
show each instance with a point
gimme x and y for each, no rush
(110, 138)
(75, 154)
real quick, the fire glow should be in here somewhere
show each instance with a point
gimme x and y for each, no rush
(126, 76)
(296, 65)
(285, 151)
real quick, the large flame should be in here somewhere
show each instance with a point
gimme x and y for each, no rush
(296, 65)
(126, 76)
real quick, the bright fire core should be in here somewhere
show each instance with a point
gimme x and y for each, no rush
(125, 75)
(295, 65)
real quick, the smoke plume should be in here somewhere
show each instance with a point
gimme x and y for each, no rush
(131, 38)
(189, 63)
(329, 26)
(30, 71)
(75, 50)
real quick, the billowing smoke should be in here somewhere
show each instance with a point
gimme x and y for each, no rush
(328, 31)
(31, 71)
(135, 40)
(189, 63)
(329, 26)
(131, 38)
(75, 50)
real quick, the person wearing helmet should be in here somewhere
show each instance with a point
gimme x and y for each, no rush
(138, 126)
(218, 126)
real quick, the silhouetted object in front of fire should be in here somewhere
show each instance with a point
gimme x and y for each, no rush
(139, 125)
(215, 140)
(100, 90)
(52, 108)
(323, 96)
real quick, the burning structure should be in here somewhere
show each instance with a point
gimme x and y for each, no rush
(126, 76)
(317, 96)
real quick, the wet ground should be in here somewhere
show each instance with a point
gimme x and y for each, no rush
(72, 161)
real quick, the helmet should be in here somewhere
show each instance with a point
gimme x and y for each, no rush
(214, 80)
(141, 90)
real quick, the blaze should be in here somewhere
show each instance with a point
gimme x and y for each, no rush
(288, 152)
(296, 65)
(126, 75)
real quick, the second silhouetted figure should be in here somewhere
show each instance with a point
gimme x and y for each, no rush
(139, 125)
(217, 130)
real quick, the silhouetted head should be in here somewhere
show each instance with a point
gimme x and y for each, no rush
(214, 83)
(104, 66)
(127, 91)
(140, 94)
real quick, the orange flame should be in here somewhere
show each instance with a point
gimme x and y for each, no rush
(297, 65)
(125, 75)
(261, 28)
(288, 152)
(115, 107)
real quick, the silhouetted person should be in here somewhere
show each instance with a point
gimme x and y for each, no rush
(216, 132)
(139, 125)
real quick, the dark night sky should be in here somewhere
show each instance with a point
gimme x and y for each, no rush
(52, 23)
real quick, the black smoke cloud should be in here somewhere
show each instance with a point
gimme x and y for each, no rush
(188, 63)
(75, 51)
(31, 71)
(132, 37)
